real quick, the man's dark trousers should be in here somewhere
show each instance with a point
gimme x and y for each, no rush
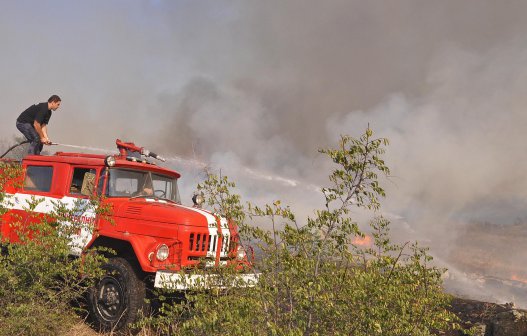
(35, 145)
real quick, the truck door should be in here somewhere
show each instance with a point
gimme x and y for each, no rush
(81, 186)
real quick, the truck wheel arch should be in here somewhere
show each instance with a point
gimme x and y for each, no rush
(132, 250)
(122, 249)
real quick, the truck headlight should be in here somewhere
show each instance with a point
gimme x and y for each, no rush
(162, 252)
(109, 161)
(198, 199)
(240, 253)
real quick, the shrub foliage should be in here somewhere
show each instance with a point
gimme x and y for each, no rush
(314, 279)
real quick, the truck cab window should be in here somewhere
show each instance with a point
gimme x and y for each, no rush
(38, 178)
(132, 183)
(165, 187)
(83, 181)
(126, 183)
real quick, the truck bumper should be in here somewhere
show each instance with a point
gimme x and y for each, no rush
(179, 281)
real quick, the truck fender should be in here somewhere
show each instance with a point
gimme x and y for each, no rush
(130, 247)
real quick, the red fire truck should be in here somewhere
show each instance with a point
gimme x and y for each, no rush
(154, 236)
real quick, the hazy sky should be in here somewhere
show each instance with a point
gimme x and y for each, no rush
(254, 88)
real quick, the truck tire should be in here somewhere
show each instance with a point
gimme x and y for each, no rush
(118, 298)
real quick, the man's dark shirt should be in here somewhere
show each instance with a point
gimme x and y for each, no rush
(38, 112)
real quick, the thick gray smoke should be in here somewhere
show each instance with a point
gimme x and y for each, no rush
(457, 151)
(255, 88)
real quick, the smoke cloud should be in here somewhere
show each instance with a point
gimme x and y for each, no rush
(255, 88)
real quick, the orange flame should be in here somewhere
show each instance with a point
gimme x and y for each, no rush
(362, 241)
(518, 278)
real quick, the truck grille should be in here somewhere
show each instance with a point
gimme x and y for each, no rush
(225, 243)
(203, 242)
(212, 243)
(198, 241)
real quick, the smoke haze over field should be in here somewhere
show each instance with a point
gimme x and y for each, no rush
(255, 88)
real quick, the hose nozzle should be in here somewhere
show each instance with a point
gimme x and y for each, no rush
(146, 152)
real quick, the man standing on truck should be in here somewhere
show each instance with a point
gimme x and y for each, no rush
(33, 123)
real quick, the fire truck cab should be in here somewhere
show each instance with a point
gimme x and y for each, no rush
(154, 236)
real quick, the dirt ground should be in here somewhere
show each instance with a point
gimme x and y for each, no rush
(471, 312)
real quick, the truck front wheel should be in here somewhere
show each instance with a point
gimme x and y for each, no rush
(118, 297)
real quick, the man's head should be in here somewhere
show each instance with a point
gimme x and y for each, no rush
(54, 102)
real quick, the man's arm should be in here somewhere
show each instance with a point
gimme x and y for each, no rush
(42, 131)
(45, 131)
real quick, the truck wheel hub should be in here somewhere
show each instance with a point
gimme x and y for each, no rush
(110, 294)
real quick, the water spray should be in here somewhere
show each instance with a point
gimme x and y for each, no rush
(189, 162)
(95, 149)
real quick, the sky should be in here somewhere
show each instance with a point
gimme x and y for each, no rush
(252, 89)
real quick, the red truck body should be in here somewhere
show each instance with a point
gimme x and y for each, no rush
(153, 234)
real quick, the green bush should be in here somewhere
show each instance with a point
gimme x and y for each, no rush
(314, 280)
(40, 280)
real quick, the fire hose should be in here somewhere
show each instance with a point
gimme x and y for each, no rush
(20, 144)
(13, 147)
(122, 146)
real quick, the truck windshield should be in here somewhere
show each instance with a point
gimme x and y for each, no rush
(130, 183)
